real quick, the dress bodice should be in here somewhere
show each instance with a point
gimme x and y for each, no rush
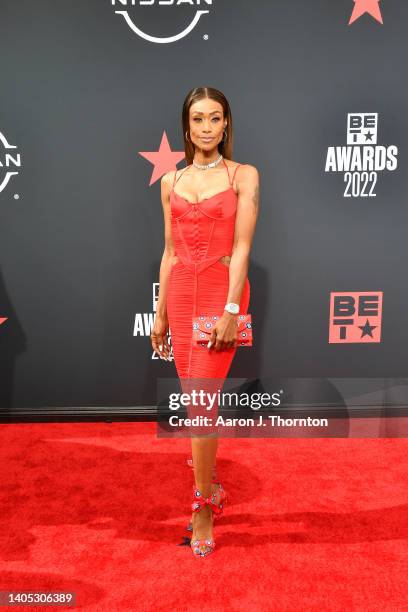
(203, 232)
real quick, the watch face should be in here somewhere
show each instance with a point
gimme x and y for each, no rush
(232, 308)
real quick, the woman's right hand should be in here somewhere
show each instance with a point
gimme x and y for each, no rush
(159, 337)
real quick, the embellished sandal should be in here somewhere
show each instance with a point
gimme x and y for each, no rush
(222, 492)
(205, 546)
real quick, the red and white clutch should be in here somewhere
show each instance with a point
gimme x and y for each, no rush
(203, 326)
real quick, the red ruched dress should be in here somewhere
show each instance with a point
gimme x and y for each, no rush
(203, 233)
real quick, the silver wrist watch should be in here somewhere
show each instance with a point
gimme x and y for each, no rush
(232, 308)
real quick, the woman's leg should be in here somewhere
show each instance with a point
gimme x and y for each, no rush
(204, 451)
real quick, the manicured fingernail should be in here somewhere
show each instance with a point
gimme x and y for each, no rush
(160, 347)
(209, 344)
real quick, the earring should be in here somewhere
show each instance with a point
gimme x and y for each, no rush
(187, 138)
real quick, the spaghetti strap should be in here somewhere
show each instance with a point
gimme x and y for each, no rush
(226, 166)
(235, 171)
(175, 174)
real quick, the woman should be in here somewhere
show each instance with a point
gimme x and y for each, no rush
(209, 223)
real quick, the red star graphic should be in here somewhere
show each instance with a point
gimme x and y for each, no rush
(366, 6)
(163, 160)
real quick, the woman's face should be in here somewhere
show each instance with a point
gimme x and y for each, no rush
(206, 124)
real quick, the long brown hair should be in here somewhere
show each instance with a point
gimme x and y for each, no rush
(198, 93)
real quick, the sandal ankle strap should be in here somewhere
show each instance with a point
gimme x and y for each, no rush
(199, 501)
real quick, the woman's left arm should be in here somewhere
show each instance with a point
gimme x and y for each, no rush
(225, 332)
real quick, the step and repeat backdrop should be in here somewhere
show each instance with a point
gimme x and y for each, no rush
(92, 93)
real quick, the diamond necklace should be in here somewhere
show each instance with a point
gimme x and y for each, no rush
(205, 166)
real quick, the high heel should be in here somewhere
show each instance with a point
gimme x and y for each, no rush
(204, 546)
(222, 493)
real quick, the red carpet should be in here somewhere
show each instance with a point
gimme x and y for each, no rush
(95, 508)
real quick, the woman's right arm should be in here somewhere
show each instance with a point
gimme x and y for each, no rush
(161, 325)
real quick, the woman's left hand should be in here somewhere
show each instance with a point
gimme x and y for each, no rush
(224, 335)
